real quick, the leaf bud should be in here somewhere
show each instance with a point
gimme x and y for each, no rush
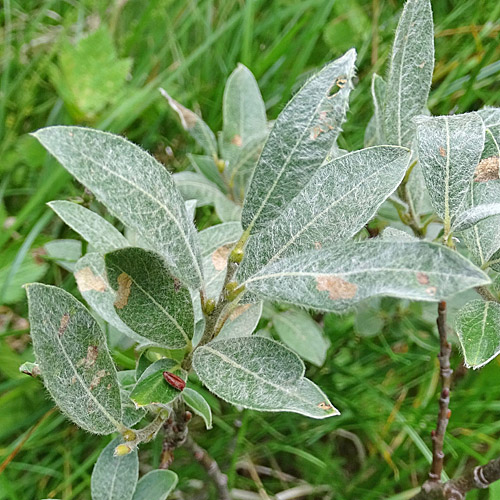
(209, 307)
(232, 285)
(236, 255)
(129, 435)
(221, 165)
(122, 450)
(232, 294)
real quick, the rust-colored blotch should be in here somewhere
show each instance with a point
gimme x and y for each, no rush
(174, 380)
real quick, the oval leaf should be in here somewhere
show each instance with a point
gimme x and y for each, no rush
(114, 478)
(260, 374)
(134, 187)
(97, 231)
(299, 141)
(478, 329)
(199, 405)
(148, 299)
(156, 485)
(335, 278)
(73, 356)
(338, 201)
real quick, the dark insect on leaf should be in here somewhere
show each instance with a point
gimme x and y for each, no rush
(174, 380)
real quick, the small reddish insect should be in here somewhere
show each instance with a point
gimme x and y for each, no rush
(174, 380)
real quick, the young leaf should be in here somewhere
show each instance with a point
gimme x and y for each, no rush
(102, 235)
(131, 414)
(134, 187)
(478, 330)
(74, 359)
(338, 201)
(92, 282)
(149, 299)
(199, 405)
(192, 123)
(299, 142)
(375, 132)
(335, 278)
(243, 111)
(152, 388)
(474, 215)
(449, 149)
(205, 166)
(64, 252)
(219, 235)
(114, 478)
(156, 485)
(214, 270)
(410, 72)
(260, 374)
(242, 321)
(483, 240)
(303, 335)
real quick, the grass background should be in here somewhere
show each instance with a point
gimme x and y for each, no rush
(385, 385)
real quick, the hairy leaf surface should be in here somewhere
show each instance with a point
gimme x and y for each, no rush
(134, 187)
(375, 132)
(149, 299)
(114, 478)
(299, 141)
(478, 329)
(102, 235)
(335, 278)
(242, 321)
(449, 149)
(475, 214)
(339, 200)
(260, 374)
(156, 485)
(71, 350)
(219, 235)
(199, 405)
(410, 72)
(303, 335)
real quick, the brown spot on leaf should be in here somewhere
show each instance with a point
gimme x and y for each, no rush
(239, 311)
(487, 169)
(325, 406)
(97, 379)
(336, 287)
(34, 372)
(317, 245)
(124, 284)
(431, 290)
(219, 258)
(63, 325)
(237, 141)
(340, 82)
(442, 151)
(73, 380)
(177, 284)
(422, 278)
(88, 281)
(90, 359)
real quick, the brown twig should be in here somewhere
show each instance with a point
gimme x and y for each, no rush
(211, 466)
(176, 431)
(444, 400)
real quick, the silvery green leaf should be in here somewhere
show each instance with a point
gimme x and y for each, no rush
(102, 235)
(130, 414)
(393, 234)
(219, 235)
(410, 72)
(483, 239)
(191, 209)
(338, 201)
(193, 186)
(473, 215)
(199, 405)
(149, 299)
(417, 195)
(299, 141)
(152, 388)
(378, 89)
(114, 478)
(73, 356)
(490, 116)
(492, 143)
(336, 278)
(205, 166)
(214, 270)
(240, 169)
(478, 329)
(449, 149)
(92, 282)
(64, 252)
(303, 335)
(192, 123)
(134, 187)
(260, 374)
(156, 485)
(242, 321)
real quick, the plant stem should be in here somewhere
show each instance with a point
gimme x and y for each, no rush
(176, 431)
(444, 400)
(211, 466)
